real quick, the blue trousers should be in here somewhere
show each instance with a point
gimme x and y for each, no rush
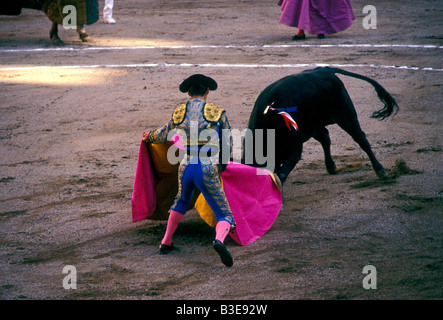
(205, 177)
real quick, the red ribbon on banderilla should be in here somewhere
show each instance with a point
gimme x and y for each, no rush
(290, 122)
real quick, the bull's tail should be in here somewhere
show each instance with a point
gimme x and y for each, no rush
(384, 96)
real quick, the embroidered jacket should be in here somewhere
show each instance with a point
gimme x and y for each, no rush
(190, 120)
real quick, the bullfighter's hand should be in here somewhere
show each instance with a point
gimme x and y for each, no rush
(145, 136)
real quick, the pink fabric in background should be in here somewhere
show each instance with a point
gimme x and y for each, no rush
(317, 16)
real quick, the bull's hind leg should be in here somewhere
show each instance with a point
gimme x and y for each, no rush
(352, 127)
(322, 136)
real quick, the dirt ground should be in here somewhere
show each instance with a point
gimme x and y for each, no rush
(69, 140)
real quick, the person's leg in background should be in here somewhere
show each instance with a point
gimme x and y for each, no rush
(107, 11)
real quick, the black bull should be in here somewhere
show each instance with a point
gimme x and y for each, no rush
(320, 99)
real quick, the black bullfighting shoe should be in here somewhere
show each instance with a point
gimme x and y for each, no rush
(164, 248)
(224, 254)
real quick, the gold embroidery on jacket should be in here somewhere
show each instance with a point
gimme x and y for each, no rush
(179, 114)
(212, 112)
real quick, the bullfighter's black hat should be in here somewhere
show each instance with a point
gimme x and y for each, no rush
(198, 78)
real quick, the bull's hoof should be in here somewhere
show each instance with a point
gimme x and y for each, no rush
(331, 168)
(84, 37)
(381, 173)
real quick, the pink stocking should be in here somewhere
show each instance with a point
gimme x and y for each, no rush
(173, 221)
(221, 230)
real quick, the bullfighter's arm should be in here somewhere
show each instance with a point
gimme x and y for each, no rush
(160, 135)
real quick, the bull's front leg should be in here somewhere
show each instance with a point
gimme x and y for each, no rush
(291, 161)
(322, 136)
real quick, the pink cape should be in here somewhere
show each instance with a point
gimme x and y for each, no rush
(255, 199)
(144, 196)
(317, 16)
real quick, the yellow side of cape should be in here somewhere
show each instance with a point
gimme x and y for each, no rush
(205, 211)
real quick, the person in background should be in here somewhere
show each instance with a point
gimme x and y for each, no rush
(107, 12)
(318, 17)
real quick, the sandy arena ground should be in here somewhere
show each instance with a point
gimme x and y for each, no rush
(69, 140)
